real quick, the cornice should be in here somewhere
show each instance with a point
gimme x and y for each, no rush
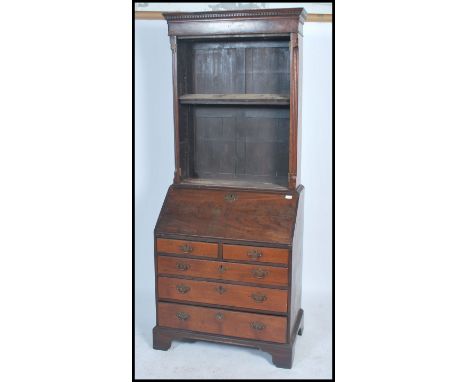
(248, 13)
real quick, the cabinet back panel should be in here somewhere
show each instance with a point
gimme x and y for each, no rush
(241, 143)
(239, 67)
(267, 70)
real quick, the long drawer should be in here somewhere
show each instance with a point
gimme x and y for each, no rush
(263, 274)
(221, 321)
(184, 247)
(274, 300)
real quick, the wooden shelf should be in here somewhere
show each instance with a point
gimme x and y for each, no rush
(236, 99)
(236, 183)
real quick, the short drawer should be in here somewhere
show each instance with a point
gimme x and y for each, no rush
(183, 247)
(261, 254)
(260, 327)
(274, 300)
(209, 269)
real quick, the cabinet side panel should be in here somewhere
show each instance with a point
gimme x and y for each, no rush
(156, 296)
(177, 172)
(184, 86)
(293, 110)
(299, 111)
(296, 265)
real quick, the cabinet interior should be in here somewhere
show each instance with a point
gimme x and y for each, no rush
(233, 101)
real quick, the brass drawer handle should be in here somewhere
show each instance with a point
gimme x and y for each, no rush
(186, 248)
(182, 316)
(259, 273)
(222, 268)
(182, 266)
(220, 289)
(258, 297)
(182, 288)
(254, 254)
(231, 197)
(219, 316)
(257, 325)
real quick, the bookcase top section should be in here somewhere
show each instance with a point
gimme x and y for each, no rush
(249, 21)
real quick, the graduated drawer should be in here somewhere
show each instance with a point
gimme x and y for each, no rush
(260, 327)
(184, 247)
(274, 300)
(249, 253)
(209, 269)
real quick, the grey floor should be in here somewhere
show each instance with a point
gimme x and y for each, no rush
(313, 357)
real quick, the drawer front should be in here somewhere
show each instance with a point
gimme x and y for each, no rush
(262, 254)
(183, 247)
(260, 327)
(263, 274)
(274, 300)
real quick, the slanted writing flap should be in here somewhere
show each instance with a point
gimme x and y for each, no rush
(229, 214)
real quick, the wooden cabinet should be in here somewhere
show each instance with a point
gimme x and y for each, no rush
(228, 240)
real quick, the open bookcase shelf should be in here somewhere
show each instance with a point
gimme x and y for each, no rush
(233, 110)
(235, 99)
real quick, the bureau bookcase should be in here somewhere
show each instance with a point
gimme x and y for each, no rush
(228, 240)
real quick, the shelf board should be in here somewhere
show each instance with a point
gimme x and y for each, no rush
(236, 183)
(236, 99)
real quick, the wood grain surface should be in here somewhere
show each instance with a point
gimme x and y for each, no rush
(273, 300)
(222, 321)
(256, 274)
(183, 247)
(251, 216)
(258, 254)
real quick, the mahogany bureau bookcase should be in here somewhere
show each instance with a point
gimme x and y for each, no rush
(228, 240)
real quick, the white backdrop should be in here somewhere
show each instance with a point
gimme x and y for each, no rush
(402, 231)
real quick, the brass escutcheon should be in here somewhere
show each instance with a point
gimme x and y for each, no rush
(220, 289)
(222, 268)
(254, 254)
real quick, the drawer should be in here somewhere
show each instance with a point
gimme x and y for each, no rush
(260, 327)
(274, 300)
(209, 269)
(262, 254)
(183, 247)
